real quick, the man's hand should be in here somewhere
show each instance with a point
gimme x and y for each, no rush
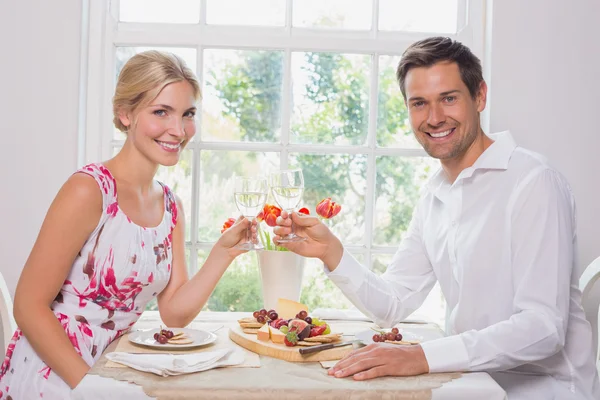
(320, 241)
(381, 359)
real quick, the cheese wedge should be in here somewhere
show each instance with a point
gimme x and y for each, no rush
(287, 309)
(276, 335)
(263, 333)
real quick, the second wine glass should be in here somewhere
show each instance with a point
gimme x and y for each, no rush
(287, 187)
(250, 196)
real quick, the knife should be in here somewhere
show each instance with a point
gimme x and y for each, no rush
(321, 347)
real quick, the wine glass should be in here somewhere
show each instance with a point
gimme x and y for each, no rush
(250, 195)
(287, 187)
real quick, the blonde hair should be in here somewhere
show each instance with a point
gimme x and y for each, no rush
(144, 76)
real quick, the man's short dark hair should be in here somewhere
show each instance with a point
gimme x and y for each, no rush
(430, 51)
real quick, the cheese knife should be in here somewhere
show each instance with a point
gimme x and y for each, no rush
(326, 346)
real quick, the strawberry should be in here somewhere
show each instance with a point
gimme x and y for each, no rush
(317, 330)
(291, 339)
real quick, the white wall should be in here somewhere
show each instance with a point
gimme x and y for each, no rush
(545, 88)
(39, 70)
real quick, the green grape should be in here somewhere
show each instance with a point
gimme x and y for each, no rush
(317, 322)
(327, 331)
(284, 329)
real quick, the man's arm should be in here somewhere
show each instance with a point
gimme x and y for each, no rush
(400, 290)
(542, 228)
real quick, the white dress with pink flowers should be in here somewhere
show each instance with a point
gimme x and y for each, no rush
(121, 267)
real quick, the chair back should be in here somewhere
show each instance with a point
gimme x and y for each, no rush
(6, 314)
(591, 303)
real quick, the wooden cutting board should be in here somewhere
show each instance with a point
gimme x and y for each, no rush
(283, 352)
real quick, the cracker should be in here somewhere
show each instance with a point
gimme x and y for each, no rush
(333, 335)
(304, 343)
(319, 339)
(177, 335)
(251, 324)
(404, 342)
(247, 320)
(252, 331)
(181, 341)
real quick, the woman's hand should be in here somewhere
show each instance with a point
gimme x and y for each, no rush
(237, 235)
(320, 241)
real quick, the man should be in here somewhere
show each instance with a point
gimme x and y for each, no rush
(496, 227)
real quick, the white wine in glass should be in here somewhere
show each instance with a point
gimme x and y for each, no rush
(287, 187)
(250, 195)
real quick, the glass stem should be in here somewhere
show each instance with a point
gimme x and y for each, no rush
(291, 234)
(249, 233)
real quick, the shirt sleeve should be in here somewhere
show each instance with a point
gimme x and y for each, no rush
(401, 289)
(541, 224)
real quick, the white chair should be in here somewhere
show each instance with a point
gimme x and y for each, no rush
(586, 282)
(6, 314)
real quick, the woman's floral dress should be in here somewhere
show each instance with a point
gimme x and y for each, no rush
(121, 267)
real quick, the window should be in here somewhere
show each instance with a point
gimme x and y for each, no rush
(307, 83)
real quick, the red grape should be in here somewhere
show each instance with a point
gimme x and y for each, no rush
(395, 331)
(162, 339)
(273, 315)
(398, 337)
(263, 312)
(261, 319)
(255, 314)
(376, 338)
(302, 314)
(308, 320)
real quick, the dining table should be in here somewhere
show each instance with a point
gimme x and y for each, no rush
(263, 377)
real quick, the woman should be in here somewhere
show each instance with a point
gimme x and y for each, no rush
(113, 239)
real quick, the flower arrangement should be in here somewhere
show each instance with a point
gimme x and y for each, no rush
(326, 209)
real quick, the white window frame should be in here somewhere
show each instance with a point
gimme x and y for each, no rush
(102, 33)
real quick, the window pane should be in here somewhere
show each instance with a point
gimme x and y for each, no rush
(330, 98)
(433, 308)
(179, 179)
(217, 169)
(337, 14)
(438, 16)
(255, 12)
(123, 54)
(242, 95)
(398, 183)
(393, 127)
(318, 291)
(239, 289)
(343, 178)
(173, 11)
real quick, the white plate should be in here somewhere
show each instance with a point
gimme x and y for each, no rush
(367, 336)
(199, 336)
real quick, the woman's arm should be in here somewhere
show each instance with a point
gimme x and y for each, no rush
(183, 298)
(72, 217)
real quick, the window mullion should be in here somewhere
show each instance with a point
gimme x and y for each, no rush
(371, 157)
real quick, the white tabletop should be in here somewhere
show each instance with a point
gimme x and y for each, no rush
(470, 386)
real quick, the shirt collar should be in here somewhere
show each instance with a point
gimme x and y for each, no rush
(496, 156)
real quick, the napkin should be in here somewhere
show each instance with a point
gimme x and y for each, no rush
(178, 364)
(91, 386)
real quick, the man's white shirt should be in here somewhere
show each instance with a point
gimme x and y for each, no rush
(501, 241)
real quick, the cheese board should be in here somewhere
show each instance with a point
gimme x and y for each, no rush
(250, 342)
